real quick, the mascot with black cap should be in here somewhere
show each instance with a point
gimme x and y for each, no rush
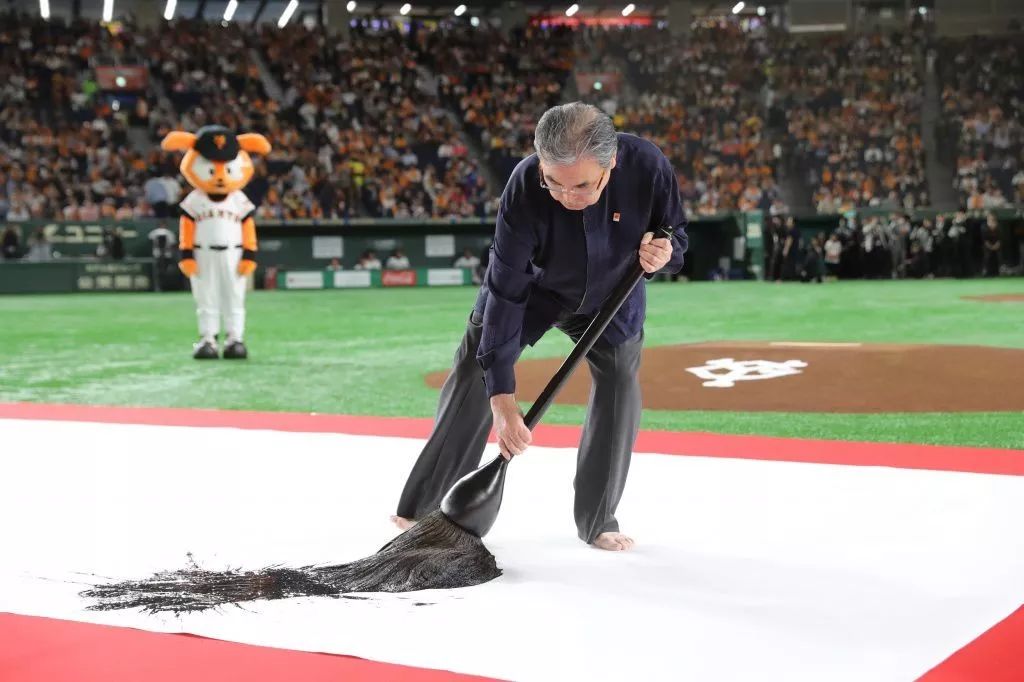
(217, 233)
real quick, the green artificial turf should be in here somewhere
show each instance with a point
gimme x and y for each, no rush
(366, 351)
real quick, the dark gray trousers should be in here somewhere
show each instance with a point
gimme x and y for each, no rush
(463, 423)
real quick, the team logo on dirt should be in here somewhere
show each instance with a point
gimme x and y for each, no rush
(725, 372)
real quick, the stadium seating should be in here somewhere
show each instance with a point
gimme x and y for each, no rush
(398, 124)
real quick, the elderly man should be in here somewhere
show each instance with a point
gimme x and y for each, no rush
(572, 220)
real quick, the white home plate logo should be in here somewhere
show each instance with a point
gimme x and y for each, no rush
(725, 372)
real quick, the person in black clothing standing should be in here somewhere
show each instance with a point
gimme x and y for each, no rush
(992, 246)
(117, 251)
(773, 250)
(813, 265)
(942, 264)
(10, 245)
(791, 250)
(959, 246)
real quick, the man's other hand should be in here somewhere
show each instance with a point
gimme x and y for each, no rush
(654, 253)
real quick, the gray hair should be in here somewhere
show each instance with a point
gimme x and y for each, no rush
(569, 132)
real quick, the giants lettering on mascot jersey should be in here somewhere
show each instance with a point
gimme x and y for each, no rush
(203, 215)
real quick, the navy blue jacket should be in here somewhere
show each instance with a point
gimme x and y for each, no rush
(548, 261)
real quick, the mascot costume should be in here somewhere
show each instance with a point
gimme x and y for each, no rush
(218, 235)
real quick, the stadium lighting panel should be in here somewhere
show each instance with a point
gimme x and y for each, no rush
(573, 9)
(229, 11)
(44, 9)
(169, 9)
(351, 5)
(460, 10)
(108, 10)
(628, 9)
(738, 7)
(405, 9)
(286, 15)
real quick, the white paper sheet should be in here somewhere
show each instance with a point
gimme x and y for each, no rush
(743, 570)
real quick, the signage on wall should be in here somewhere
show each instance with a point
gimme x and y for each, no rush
(398, 278)
(352, 279)
(304, 279)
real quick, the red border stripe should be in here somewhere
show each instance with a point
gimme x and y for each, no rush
(47, 650)
(903, 456)
(995, 656)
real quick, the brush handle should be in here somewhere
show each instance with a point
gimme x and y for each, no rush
(473, 502)
(589, 338)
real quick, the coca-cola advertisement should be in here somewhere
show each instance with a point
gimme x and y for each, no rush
(398, 278)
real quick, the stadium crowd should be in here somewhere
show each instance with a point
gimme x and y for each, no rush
(982, 119)
(64, 150)
(500, 84)
(853, 117)
(368, 132)
(428, 123)
(356, 132)
(704, 104)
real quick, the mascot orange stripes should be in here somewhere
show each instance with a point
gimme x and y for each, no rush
(217, 233)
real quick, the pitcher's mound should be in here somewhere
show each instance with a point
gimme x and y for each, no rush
(808, 377)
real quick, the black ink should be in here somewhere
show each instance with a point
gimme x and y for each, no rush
(433, 554)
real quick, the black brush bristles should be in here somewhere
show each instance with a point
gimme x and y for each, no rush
(433, 554)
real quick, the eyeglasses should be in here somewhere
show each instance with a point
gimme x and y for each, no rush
(572, 191)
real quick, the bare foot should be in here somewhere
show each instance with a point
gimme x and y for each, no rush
(402, 522)
(613, 542)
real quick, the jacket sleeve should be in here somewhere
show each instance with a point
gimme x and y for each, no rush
(508, 281)
(668, 210)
